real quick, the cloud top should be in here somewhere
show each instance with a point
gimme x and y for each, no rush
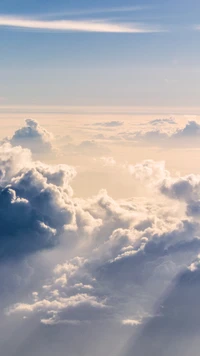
(34, 137)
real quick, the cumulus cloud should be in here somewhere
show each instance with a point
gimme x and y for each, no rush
(35, 202)
(161, 134)
(192, 129)
(34, 137)
(149, 172)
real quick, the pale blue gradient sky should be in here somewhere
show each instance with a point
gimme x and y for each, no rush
(43, 67)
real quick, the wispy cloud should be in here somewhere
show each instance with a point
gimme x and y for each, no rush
(97, 11)
(75, 25)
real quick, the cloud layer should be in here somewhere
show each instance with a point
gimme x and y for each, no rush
(159, 135)
(136, 248)
(125, 253)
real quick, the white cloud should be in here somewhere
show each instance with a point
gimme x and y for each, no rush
(149, 172)
(34, 137)
(35, 202)
(74, 25)
(131, 322)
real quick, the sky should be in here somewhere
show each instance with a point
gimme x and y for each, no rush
(99, 178)
(107, 53)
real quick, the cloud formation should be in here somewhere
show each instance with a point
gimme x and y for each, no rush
(127, 251)
(159, 135)
(137, 247)
(35, 202)
(34, 137)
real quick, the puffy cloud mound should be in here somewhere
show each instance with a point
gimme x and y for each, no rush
(35, 202)
(192, 129)
(34, 137)
(149, 171)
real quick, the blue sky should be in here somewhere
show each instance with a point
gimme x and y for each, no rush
(158, 67)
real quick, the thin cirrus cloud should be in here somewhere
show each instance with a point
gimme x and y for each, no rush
(98, 11)
(74, 25)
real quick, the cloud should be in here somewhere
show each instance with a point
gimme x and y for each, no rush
(149, 172)
(131, 322)
(192, 129)
(34, 137)
(176, 319)
(160, 136)
(74, 25)
(127, 251)
(109, 123)
(35, 202)
(156, 122)
(137, 249)
(97, 11)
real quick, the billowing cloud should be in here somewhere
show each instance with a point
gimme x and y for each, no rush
(34, 137)
(192, 129)
(35, 202)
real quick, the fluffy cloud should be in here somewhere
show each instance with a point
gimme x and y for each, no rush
(149, 172)
(35, 202)
(34, 137)
(191, 130)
